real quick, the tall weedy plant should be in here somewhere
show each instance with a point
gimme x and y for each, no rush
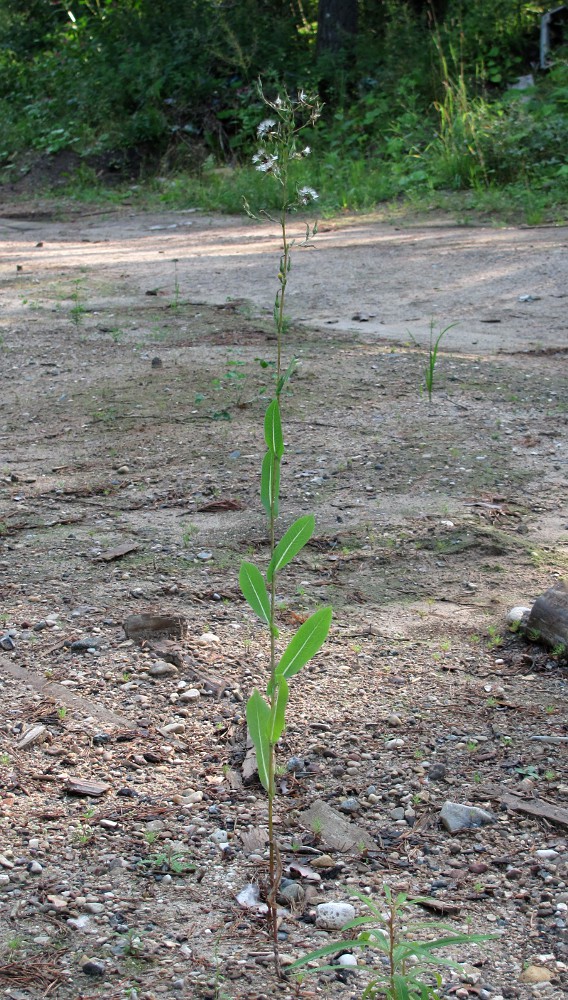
(280, 137)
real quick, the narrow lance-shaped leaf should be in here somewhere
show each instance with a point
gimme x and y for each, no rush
(279, 710)
(258, 722)
(270, 483)
(305, 644)
(290, 544)
(251, 582)
(273, 429)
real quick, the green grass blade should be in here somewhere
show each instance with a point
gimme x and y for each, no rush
(251, 582)
(291, 543)
(309, 638)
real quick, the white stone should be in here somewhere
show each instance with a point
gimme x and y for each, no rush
(517, 614)
(347, 960)
(333, 916)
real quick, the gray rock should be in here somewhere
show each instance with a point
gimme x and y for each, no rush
(35, 868)
(517, 614)
(455, 817)
(7, 643)
(397, 813)
(437, 772)
(337, 833)
(94, 907)
(292, 892)
(204, 556)
(219, 837)
(350, 805)
(162, 669)
(334, 916)
(93, 967)
(83, 645)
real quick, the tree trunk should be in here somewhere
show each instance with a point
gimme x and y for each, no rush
(337, 25)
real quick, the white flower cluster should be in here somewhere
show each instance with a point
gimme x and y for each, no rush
(306, 195)
(265, 162)
(266, 128)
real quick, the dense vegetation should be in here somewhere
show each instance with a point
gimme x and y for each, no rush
(416, 91)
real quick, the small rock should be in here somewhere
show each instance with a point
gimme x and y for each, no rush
(293, 892)
(547, 854)
(35, 868)
(7, 643)
(437, 772)
(395, 744)
(174, 727)
(350, 805)
(219, 837)
(396, 814)
(191, 694)
(536, 974)
(517, 614)
(162, 669)
(94, 907)
(93, 967)
(455, 817)
(204, 556)
(349, 961)
(4, 879)
(324, 861)
(83, 645)
(393, 720)
(295, 764)
(334, 916)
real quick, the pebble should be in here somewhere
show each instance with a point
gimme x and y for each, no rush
(35, 868)
(93, 967)
(547, 854)
(219, 837)
(204, 556)
(192, 694)
(350, 805)
(162, 669)
(394, 720)
(324, 861)
(395, 744)
(536, 974)
(349, 961)
(437, 772)
(293, 892)
(455, 817)
(397, 813)
(4, 879)
(517, 614)
(84, 645)
(333, 916)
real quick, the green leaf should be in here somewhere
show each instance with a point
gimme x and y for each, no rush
(305, 644)
(273, 429)
(293, 541)
(251, 582)
(258, 721)
(270, 482)
(279, 713)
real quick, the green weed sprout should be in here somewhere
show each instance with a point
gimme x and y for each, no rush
(280, 145)
(432, 348)
(408, 960)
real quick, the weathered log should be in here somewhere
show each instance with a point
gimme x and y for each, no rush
(548, 620)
